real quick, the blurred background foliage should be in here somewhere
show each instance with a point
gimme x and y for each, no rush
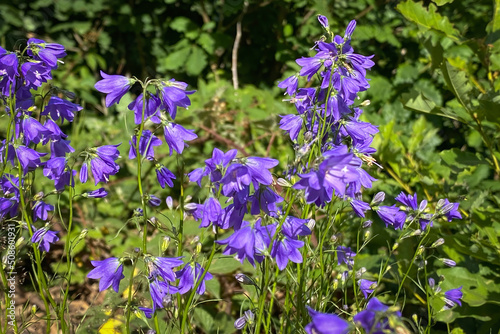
(434, 96)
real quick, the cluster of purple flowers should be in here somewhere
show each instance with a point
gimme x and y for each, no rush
(246, 182)
(30, 131)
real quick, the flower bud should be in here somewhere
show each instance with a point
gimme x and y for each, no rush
(378, 198)
(34, 309)
(167, 300)
(38, 196)
(195, 240)
(422, 205)
(367, 234)
(335, 284)
(283, 183)
(165, 243)
(415, 318)
(367, 224)
(323, 20)
(360, 272)
(244, 279)
(395, 246)
(151, 331)
(188, 198)
(420, 250)
(198, 247)
(170, 202)
(19, 242)
(440, 204)
(437, 243)
(310, 224)
(416, 232)
(447, 208)
(449, 262)
(432, 283)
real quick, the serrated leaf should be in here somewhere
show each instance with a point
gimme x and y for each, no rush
(442, 2)
(428, 19)
(458, 83)
(196, 61)
(182, 24)
(175, 59)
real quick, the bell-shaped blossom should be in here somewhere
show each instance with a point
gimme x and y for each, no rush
(285, 249)
(44, 237)
(265, 199)
(359, 207)
(176, 135)
(109, 271)
(453, 213)
(8, 206)
(146, 144)
(211, 212)
(374, 317)
(98, 193)
(49, 53)
(35, 73)
(163, 267)
(325, 323)
(41, 210)
(408, 200)
(115, 86)
(291, 124)
(189, 276)
(59, 148)
(28, 157)
(32, 130)
(453, 296)
(59, 108)
(56, 169)
(345, 255)
(367, 287)
(150, 110)
(164, 176)
(173, 94)
(159, 290)
(391, 215)
(103, 164)
(9, 66)
(249, 242)
(247, 318)
(290, 84)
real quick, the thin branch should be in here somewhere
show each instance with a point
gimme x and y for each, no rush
(236, 45)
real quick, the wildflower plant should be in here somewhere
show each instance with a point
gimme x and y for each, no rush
(289, 225)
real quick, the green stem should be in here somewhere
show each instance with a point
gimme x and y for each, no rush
(268, 322)
(69, 259)
(130, 289)
(262, 297)
(197, 284)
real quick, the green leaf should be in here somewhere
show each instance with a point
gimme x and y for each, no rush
(224, 265)
(418, 102)
(196, 61)
(494, 25)
(175, 59)
(182, 24)
(442, 2)
(460, 160)
(458, 83)
(428, 19)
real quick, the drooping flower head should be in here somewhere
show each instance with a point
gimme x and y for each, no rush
(453, 296)
(190, 275)
(49, 53)
(44, 237)
(109, 271)
(324, 323)
(115, 86)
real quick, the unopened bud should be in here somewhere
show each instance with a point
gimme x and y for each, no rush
(188, 198)
(167, 300)
(437, 243)
(335, 284)
(151, 331)
(420, 250)
(170, 202)
(38, 196)
(360, 272)
(416, 232)
(367, 234)
(283, 183)
(447, 208)
(448, 262)
(440, 204)
(378, 198)
(195, 240)
(244, 279)
(365, 103)
(422, 205)
(308, 136)
(165, 243)
(432, 283)
(367, 223)
(415, 318)
(33, 309)
(19, 242)
(310, 224)
(198, 247)
(395, 246)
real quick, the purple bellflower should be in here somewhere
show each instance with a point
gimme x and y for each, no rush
(249, 242)
(189, 276)
(59, 108)
(174, 95)
(44, 237)
(49, 53)
(291, 124)
(164, 176)
(176, 135)
(41, 210)
(115, 86)
(28, 157)
(453, 296)
(146, 144)
(290, 84)
(98, 193)
(367, 287)
(453, 213)
(391, 215)
(150, 111)
(345, 255)
(109, 271)
(163, 267)
(372, 323)
(324, 323)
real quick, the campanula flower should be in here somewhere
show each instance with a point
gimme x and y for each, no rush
(28, 157)
(146, 144)
(35, 73)
(249, 242)
(291, 124)
(115, 86)
(324, 323)
(290, 83)
(176, 135)
(109, 271)
(56, 169)
(41, 210)
(153, 200)
(159, 290)
(163, 267)
(173, 95)
(189, 277)
(371, 318)
(49, 53)
(345, 255)
(286, 248)
(150, 111)
(323, 20)
(164, 176)
(265, 199)
(9, 66)
(408, 200)
(453, 213)
(248, 317)
(453, 296)
(367, 287)
(44, 237)
(391, 215)
(98, 193)
(59, 108)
